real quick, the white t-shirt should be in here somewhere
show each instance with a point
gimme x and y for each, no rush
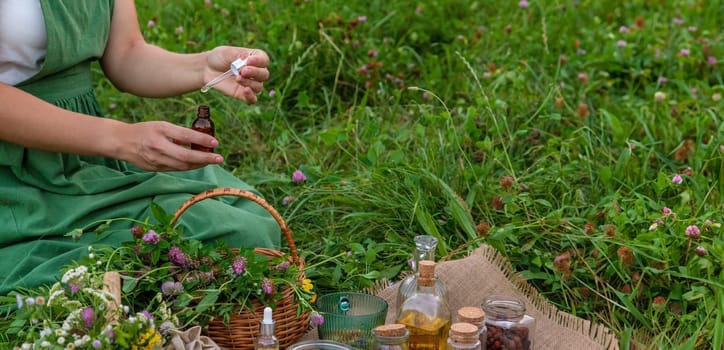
(23, 41)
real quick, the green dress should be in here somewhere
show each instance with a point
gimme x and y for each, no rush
(45, 195)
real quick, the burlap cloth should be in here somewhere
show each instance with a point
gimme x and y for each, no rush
(486, 272)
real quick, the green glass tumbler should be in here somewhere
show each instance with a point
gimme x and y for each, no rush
(349, 317)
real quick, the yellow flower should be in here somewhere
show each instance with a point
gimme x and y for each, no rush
(307, 285)
(313, 298)
(149, 340)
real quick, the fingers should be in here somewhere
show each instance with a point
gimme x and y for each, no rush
(254, 74)
(257, 58)
(249, 95)
(250, 81)
(164, 147)
(256, 70)
(254, 85)
(184, 136)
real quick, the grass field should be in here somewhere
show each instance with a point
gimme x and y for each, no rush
(582, 139)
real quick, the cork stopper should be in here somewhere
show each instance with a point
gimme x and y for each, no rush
(471, 314)
(463, 332)
(393, 330)
(426, 273)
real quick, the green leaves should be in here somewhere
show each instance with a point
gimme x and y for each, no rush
(504, 97)
(208, 301)
(163, 218)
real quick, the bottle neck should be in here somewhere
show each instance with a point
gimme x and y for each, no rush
(203, 112)
(424, 250)
(425, 284)
(267, 329)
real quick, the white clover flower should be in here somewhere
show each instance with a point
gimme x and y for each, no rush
(55, 291)
(659, 96)
(26, 346)
(72, 318)
(60, 332)
(46, 332)
(45, 344)
(74, 274)
(61, 340)
(103, 295)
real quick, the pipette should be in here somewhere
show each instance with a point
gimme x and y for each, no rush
(235, 68)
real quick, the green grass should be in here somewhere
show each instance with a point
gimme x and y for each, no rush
(455, 96)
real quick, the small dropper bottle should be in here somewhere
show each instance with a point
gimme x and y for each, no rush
(203, 123)
(266, 339)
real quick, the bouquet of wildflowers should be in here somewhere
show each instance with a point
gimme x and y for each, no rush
(169, 282)
(196, 281)
(78, 313)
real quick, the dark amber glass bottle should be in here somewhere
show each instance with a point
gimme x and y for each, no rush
(203, 123)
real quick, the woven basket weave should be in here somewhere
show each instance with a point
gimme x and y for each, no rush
(243, 328)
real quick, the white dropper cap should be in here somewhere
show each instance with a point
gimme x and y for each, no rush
(267, 324)
(237, 65)
(234, 68)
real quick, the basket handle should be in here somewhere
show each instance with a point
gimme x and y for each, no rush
(227, 191)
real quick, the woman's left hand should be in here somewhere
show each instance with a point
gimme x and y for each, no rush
(250, 81)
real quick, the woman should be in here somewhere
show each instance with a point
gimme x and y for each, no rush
(63, 167)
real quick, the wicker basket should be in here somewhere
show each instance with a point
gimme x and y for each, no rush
(243, 328)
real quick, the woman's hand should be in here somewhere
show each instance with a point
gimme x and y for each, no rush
(162, 146)
(251, 78)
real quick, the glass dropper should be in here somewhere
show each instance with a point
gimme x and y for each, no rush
(234, 69)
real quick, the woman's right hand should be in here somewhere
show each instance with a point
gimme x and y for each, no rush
(163, 146)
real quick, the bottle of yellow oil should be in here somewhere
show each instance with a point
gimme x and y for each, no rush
(426, 312)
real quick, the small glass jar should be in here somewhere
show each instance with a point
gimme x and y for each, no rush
(475, 316)
(508, 326)
(463, 336)
(390, 337)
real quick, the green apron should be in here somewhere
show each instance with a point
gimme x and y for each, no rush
(45, 195)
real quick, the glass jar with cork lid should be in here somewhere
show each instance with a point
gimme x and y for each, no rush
(475, 316)
(463, 336)
(390, 337)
